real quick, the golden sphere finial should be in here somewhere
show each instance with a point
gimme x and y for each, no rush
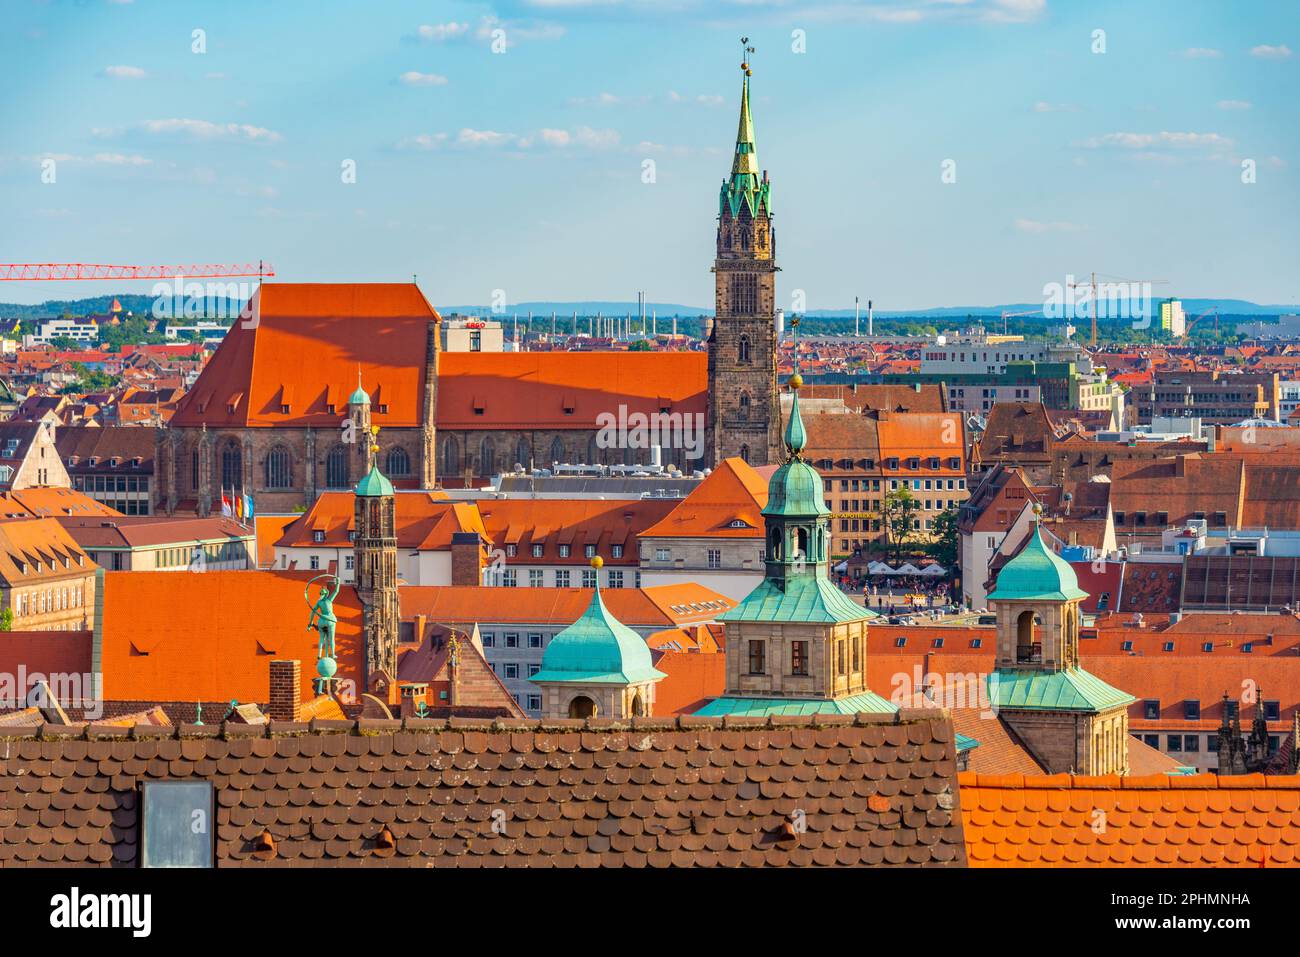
(597, 561)
(796, 381)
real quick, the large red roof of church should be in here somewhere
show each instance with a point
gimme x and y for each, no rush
(300, 352)
(565, 390)
(299, 356)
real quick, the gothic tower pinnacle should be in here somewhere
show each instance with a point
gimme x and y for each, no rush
(744, 409)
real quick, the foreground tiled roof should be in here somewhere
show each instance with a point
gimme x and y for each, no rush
(1158, 821)
(840, 791)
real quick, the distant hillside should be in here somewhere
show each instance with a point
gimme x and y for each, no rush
(142, 305)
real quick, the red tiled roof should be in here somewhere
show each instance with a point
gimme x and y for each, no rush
(1158, 821)
(180, 636)
(310, 341)
(566, 390)
(733, 492)
(693, 679)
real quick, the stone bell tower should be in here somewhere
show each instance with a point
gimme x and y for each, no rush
(1072, 721)
(744, 410)
(375, 551)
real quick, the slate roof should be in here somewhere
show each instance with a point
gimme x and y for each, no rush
(869, 789)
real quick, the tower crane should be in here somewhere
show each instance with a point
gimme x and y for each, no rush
(1091, 284)
(22, 272)
(1187, 330)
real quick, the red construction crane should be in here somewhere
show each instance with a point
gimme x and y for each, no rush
(20, 272)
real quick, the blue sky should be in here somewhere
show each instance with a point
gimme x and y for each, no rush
(523, 171)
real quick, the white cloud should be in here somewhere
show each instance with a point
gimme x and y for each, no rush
(1042, 106)
(472, 137)
(596, 139)
(416, 78)
(556, 137)
(439, 32)
(1233, 105)
(1202, 53)
(1266, 52)
(1163, 138)
(516, 30)
(124, 72)
(425, 141)
(203, 131)
(1036, 227)
(121, 159)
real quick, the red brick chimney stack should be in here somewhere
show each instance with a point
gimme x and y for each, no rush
(286, 690)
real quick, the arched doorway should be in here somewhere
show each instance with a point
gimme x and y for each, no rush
(582, 707)
(638, 705)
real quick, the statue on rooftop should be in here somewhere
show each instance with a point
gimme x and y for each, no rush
(322, 617)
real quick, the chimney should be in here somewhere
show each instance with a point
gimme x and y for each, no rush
(286, 694)
(466, 558)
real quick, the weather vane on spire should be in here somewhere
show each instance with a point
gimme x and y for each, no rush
(744, 65)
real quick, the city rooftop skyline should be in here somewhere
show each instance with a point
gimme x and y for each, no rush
(922, 154)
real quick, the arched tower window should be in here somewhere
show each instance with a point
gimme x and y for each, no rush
(336, 467)
(557, 450)
(582, 707)
(742, 350)
(398, 462)
(232, 465)
(487, 457)
(279, 468)
(743, 409)
(524, 454)
(744, 453)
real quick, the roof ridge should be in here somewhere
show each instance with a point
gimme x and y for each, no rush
(371, 726)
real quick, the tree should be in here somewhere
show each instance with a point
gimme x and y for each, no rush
(641, 345)
(944, 546)
(64, 343)
(900, 507)
(6, 619)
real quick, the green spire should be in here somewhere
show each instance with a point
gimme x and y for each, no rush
(746, 161)
(359, 397)
(745, 187)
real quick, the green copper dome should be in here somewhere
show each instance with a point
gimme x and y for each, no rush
(597, 648)
(1037, 574)
(374, 484)
(359, 397)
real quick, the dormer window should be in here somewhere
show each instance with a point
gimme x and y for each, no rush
(318, 536)
(383, 408)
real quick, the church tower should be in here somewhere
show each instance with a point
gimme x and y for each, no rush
(797, 644)
(1072, 721)
(375, 550)
(744, 410)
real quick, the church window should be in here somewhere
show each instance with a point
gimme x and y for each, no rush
(742, 351)
(194, 470)
(744, 294)
(557, 450)
(487, 457)
(757, 663)
(523, 454)
(279, 471)
(336, 467)
(744, 453)
(744, 405)
(398, 463)
(232, 466)
(450, 456)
